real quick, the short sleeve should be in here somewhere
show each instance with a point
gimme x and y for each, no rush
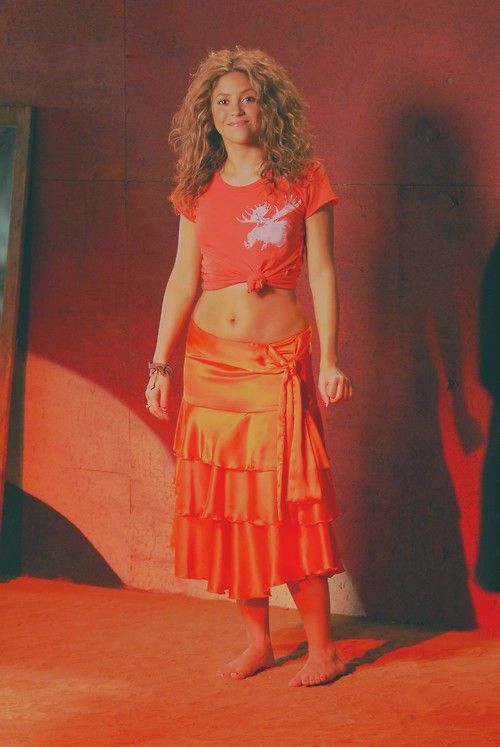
(319, 191)
(188, 213)
(182, 205)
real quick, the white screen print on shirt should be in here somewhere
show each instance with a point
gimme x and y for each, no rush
(268, 229)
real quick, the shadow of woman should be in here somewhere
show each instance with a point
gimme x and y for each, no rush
(412, 567)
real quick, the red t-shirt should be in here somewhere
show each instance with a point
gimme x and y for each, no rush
(246, 235)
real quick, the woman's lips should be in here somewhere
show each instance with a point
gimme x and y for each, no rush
(238, 124)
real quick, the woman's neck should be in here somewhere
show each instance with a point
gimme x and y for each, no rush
(242, 165)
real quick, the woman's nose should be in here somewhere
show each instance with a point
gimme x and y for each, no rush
(237, 108)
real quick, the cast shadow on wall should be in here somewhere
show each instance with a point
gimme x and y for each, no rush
(37, 541)
(412, 567)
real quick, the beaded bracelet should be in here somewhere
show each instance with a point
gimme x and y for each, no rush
(165, 369)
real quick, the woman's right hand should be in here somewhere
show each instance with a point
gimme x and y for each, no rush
(157, 392)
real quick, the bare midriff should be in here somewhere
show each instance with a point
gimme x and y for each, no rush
(261, 316)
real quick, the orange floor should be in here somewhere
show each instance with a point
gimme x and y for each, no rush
(83, 665)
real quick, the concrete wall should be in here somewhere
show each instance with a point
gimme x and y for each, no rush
(401, 99)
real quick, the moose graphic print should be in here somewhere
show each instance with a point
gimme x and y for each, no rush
(268, 227)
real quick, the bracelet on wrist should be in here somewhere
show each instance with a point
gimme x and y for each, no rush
(165, 369)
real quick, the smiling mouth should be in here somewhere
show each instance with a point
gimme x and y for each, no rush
(237, 124)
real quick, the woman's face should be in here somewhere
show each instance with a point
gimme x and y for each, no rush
(235, 109)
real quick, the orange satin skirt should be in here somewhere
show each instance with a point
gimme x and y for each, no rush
(254, 496)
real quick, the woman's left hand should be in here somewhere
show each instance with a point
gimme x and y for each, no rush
(333, 384)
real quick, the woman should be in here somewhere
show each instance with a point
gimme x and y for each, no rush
(254, 496)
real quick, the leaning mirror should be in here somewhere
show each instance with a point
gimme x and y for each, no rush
(15, 148)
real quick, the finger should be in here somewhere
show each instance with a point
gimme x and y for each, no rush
(346, 389)
(333, 390)
(153, 400)
(322, 386)
(152, 409)
(164, 396)
(163, 413)
(337, 391)
(157, 412)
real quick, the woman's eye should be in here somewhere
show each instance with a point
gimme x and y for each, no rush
(245, 98)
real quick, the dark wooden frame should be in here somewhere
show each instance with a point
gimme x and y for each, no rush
(21, 117)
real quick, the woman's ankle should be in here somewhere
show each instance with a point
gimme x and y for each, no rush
(322, 647)
(261, 643)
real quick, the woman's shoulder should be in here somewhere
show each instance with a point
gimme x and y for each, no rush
(308, 174)
(315, 187)
(189, 205)
(313, 171)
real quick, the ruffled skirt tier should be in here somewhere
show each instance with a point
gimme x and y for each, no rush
(254, 496)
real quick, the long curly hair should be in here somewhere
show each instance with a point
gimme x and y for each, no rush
(285, 137)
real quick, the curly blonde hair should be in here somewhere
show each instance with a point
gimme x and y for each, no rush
(285, 137)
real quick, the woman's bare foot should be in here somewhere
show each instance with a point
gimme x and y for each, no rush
(253, 659)
(320, 667)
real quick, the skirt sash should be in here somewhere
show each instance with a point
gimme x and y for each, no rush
(286, 356)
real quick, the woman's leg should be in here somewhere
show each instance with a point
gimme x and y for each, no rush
(259, 652)
(312, 597)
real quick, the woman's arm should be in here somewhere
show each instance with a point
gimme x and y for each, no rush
(333, 384)
(180, 291)
(323, 281)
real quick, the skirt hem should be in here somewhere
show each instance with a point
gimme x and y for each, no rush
(328, 572)
(258, 523)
